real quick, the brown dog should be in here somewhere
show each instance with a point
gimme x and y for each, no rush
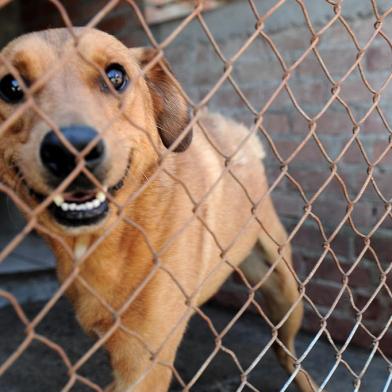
(142, 235)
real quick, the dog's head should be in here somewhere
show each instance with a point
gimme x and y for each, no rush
(95, 110)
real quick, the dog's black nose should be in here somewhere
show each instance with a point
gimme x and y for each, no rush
(60, 161)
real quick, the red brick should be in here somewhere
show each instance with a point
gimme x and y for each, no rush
(310, 179)
(333, 188)
(308, 238)
(380, 243)
(386, 343)
(343, 242)
(276, 123)
(389, 284)
(339, 60)
(334, 123)
(330, 212)
(377, 81)
(226, 98)
(378, 58)
(288, 205)
(209, 66)
(364, 214)
(382, 148)
(258, 70)
(354, 91)
(340, 328)
(274, 171)
(311, 321)
(353, 178)
(259, 94)
(375, 310)
(309, 67)
(323, 294)
(327, 270)
(231, 298)
(207, 74)
(384, 184)
(312, 93)
(374, 125)
(360, 277)
(309, 153)
(336, 36)
(300, 125)
(290, 41)
(299, 265)
(245, 118)
(231, 46)
(354, 155)
(178, 55)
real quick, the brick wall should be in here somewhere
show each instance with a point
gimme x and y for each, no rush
(258, 74)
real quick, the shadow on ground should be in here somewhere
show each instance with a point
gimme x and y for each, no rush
(40, 369)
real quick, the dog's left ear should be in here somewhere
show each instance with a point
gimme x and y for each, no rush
(171, 111)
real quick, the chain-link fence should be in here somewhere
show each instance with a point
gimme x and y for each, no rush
(148, 210)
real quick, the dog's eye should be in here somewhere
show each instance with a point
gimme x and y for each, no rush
(10, 89)
(117, 76)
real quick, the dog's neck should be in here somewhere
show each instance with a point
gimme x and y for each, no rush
(81, 246)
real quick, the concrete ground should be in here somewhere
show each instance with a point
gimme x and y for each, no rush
(41, 370)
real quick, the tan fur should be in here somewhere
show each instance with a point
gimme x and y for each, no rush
(194, 264)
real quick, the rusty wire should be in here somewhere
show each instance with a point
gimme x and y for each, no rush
(258, 127)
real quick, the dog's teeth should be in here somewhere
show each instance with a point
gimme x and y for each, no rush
(58, 200)
(83, 207)
(101, 197)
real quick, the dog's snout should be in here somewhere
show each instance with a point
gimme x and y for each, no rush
(60, 161)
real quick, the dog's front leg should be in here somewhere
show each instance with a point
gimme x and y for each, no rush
(136, 368)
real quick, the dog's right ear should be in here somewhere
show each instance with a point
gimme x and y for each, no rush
(171, 110)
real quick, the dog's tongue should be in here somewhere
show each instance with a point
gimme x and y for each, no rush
(79, 197)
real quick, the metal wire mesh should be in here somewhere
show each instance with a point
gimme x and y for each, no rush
(335, 97)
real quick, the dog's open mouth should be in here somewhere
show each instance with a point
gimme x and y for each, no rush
(79, 208)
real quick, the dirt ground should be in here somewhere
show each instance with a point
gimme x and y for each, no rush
(41, 370)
